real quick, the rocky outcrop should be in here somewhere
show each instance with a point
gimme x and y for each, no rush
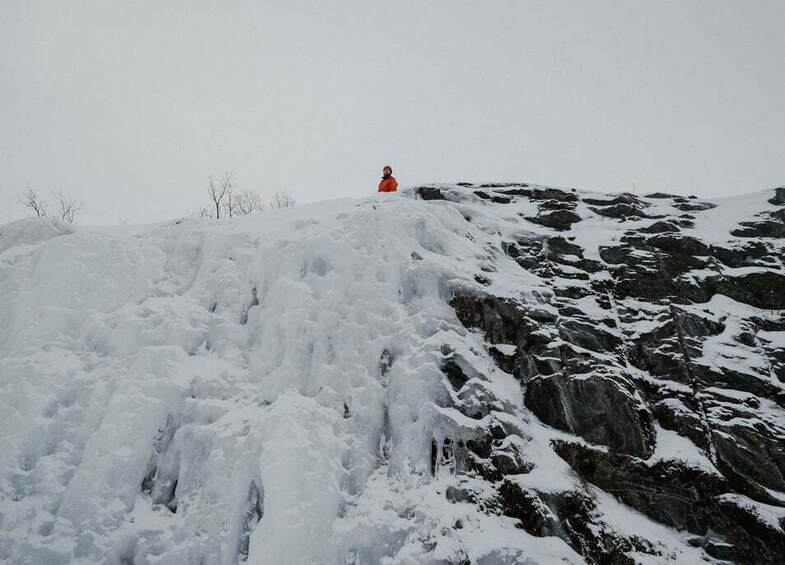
(684, 497)
(598, 408)
(751, 458)
(779, 196)
(658, 330)
(571, 516)
(559, 219)
(429, 193)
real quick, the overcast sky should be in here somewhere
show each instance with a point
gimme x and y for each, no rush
(130, 105)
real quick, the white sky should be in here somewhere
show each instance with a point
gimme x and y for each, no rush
(130, 105)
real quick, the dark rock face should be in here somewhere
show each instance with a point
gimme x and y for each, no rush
(779, 196)
(501, 185)
(679, 244)
(569, 516)
(765, 228)
(555, 208)
(750, 457)
(641, 270)
(553, 194)
(559, 220)
(493, 197)
(660, 227)
(505, 322)
(533, 514)
(683, 497)
(769, 224)
(454, 374)
(556, 205)
(674, 414)
(695, 206)
(669, 492)
(429, 193)
(620, 199)
(621, 211)
(742, 254)
(760, 290)
(654, 334)
(601, 409)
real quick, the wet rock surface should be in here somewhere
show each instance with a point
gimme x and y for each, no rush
(660, 351)
(603, 410)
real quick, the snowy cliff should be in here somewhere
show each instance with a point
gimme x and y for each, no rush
(490, 374)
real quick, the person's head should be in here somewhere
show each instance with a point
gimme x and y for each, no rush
(387, 171)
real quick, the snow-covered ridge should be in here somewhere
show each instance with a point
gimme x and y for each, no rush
(327, 384)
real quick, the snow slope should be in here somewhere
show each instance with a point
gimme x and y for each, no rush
(267, 389)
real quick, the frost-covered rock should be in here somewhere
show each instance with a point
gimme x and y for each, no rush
(493, 374)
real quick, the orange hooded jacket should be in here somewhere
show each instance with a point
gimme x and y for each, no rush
(388, 183)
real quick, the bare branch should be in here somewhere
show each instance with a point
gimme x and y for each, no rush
(67, 208)
(247, 202)
(281, 199)
(32, 201)
(230, 202)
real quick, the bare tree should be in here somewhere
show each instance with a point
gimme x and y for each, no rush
(281, 199)
(242, 203)
(67, 208)
(228, 201)
(217, 188)
(36, 206)
(246, 202)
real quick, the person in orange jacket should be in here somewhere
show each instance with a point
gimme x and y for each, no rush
(388, 182)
